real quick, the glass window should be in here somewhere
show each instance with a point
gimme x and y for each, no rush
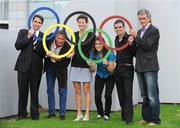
(15, 13)
(50, 19)
(4, 14)
(4, 10)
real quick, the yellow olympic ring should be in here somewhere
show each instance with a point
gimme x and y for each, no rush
(69, 30)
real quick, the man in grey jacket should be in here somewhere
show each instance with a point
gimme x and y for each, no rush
(147, 42)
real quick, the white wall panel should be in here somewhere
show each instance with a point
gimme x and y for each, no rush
(99, 10)
(166, 17)
(8, 84)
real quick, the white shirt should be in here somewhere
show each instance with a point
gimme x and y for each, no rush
(55, 50)
(37, 35)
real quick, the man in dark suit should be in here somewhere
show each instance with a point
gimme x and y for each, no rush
(147, 67)
(57, 68)
(29, 67)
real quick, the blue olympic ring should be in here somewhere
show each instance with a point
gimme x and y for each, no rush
(34, 12)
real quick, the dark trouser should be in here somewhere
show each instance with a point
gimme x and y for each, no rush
(27, 80)
(124, 83)
(99, 85)
(148, 82)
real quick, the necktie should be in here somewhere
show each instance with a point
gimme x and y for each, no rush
(34, 39)
(143, 31)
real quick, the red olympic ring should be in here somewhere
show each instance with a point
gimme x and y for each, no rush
(105, 21)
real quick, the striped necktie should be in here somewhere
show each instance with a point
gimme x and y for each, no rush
(34, 39)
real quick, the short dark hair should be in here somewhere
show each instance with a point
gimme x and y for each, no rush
(61, 32)
(82, 16)
(39, 16)
(119, 21)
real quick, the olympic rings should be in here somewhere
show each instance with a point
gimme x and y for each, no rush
(80, 50)
(93, 22)
(43, 8)
(69, 30)
(73, 42)
(101, 26)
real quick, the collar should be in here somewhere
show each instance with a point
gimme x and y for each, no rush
(124, 36)
(37, 33)
(147, 26)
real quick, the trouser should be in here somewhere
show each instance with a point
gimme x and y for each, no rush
(148, 82)
(28, 80)
(124, 83)
(99, 85)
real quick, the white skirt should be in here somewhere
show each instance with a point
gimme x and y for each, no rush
(80, 74)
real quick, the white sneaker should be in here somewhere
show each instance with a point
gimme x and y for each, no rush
(78, 118)
(98, 116)
(106, 117)
(85, 118)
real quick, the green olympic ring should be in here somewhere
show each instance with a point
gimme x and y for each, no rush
(82, 54)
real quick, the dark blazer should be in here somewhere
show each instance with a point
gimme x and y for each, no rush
(30, 57)
(146, 52)
(61, 66)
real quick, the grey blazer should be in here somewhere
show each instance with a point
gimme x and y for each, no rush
(146, 52)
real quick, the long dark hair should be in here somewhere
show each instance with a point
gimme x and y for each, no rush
(95, 52)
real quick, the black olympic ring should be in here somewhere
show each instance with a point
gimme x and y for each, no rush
(93, 22)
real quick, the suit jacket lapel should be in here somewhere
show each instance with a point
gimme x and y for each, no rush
(40, 36)
(63, 49)
(147, 31)
(139, 32)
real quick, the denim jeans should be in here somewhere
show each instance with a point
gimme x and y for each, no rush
(51, 78)
(148, 82)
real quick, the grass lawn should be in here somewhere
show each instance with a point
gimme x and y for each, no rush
(170, 116)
